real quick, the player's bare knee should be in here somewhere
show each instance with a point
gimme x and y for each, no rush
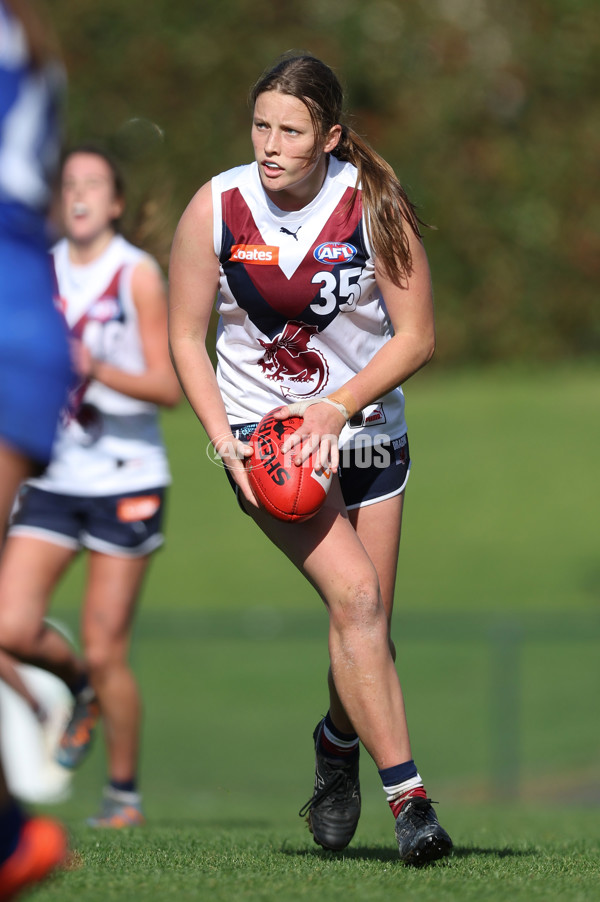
(99, 658)
(360, 607)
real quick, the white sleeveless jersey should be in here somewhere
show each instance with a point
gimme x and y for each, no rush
(108, 442)
(300, 311)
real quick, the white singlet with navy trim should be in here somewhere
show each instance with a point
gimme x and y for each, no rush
(300, 311)
(108, 443)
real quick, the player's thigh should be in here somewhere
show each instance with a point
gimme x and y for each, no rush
(42, 541)
(113, 587)
(120, 532)
(14, 468)
(30, 568)
(378, 527)
(326, 549)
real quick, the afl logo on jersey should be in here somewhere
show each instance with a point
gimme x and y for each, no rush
(104, 310)
(334, 252)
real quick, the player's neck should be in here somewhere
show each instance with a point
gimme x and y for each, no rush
(81, 253)
(300, 195)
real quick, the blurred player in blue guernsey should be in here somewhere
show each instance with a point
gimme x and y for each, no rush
(34, 358)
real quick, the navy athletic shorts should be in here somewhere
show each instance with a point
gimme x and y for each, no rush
(124, 525)
(372, 472)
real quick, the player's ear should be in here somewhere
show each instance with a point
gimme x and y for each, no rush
(117, 208)
(333, 138)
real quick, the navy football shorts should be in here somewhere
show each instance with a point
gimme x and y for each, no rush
(369, 473)
(124, 525)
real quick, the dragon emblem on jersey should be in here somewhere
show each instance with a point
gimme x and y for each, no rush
(289, 359)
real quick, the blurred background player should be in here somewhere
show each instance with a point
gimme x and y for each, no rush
(34, 360)
(104, 488)
(326, 308)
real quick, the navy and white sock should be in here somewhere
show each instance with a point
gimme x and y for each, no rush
(401, 783)
(128, 786)
(335, 744)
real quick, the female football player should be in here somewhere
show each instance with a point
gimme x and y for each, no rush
(104, 488)
(326, 308)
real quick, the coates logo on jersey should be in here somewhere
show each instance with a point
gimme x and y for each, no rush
(262, 254)
(334, 252)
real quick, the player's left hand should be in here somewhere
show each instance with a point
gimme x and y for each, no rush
(318, 435)
(81, 357)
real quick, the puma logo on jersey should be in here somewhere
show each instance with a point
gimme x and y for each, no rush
(288, 232)
(263, 254)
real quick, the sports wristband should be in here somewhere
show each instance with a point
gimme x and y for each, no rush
(346, 400)
(338, 406)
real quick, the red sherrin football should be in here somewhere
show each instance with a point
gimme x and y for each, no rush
(286, 491)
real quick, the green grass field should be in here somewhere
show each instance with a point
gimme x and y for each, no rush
(497, 627)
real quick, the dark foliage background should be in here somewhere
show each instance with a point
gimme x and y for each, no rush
(487, 109)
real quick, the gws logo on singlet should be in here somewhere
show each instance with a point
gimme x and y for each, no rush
(334, 252)
(261, 254)
(289, 359)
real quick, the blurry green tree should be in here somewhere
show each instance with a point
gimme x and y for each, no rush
(487, 109)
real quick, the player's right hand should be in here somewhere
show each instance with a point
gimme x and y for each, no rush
(233, 452)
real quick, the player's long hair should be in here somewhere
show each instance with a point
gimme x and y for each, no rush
(387, 207)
